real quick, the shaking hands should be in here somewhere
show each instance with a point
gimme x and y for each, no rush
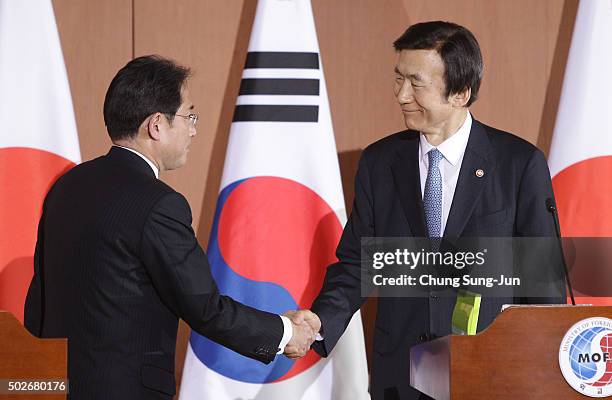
(306, 326)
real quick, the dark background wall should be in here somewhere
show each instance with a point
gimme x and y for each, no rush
(524, 44)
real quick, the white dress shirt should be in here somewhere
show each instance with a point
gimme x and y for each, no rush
(287, 327)
(452, 150)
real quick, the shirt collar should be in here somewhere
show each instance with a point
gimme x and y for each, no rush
(452, 148)
(153, 166)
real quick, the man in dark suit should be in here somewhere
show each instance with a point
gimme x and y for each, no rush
(448, 176)
(117, 262)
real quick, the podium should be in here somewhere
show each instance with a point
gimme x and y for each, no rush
(516, 357)
(24, 358)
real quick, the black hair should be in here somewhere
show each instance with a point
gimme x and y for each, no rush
(458, 49)
(144, 86)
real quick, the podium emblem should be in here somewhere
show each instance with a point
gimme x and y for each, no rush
(585, 357)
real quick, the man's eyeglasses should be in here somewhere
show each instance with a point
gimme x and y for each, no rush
(193, 118)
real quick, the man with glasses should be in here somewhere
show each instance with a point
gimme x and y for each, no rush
(117, 262)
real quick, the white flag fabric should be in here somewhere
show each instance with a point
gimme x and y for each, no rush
(38, 140)
(279, 217)
(581, 151)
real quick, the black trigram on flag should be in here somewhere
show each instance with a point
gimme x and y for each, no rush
(279, 86)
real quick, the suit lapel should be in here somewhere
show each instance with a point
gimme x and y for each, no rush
(469, 186)
(406, 177)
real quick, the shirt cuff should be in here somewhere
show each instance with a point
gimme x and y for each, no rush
(287, 334)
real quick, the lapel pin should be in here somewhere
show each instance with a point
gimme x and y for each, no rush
(479, 173)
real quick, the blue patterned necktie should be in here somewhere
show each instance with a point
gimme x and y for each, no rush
(432, 198)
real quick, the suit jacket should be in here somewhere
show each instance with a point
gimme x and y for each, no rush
(509, 200)
(116, 264)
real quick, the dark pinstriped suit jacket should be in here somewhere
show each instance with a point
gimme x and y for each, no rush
(116, 265)
(509, 200)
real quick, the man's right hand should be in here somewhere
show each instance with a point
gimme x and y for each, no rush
(306, 325)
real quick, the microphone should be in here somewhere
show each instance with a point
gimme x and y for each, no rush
(552, 208)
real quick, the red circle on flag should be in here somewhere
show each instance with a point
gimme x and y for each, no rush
(277, 230)
(26, 175)
(583, 192)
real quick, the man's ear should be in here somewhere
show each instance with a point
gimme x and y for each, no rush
(461, 99)
(154, 125)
